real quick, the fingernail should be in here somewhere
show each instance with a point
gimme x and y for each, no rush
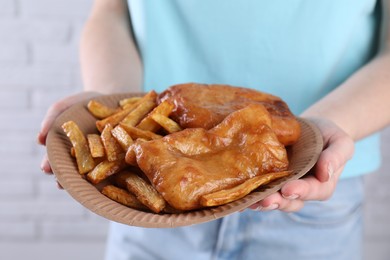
(270, 207)
(330, 171)
(291, 197)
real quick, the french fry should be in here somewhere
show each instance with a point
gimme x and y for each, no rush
(84, 159)
(122, 137)
(167, 123)
(123, 196)
(127, 101)
(118, 117)
(144, 192)
(114, 119)
(135, 116)
(112, 148)
(95, 145)
(101, 111)
(237, 192)
(136, 133)
(165, 109)
(105, 169)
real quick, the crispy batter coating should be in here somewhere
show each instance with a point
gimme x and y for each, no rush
(205, 106)
(187, 164)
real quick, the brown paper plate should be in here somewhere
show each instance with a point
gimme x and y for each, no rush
(303, 155)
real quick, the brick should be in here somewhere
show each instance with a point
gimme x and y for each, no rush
(77, 30)
(48, 190)
(44, 250)
(7, 8)
(13, 54)
(55, 53)
(36, 31)
(19, 121)
(37, 77)
(14, 143)
(14, 99)
(42, 210)
(55, 8)
(44, 98)
(23, 166)
(18, 230)
(73, 230)
(16, 187)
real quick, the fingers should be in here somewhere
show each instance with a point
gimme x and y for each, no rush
(48, 120)
(45, 165)
(56, 109)
(338, 149)
(52, 113)
(334, 157)
(309, 188)
(277, 201)
(293, 194)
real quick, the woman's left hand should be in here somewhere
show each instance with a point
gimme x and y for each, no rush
(321, 182)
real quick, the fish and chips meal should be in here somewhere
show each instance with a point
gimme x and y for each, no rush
(190, 147)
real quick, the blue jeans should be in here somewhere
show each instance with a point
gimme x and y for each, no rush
(321, 230)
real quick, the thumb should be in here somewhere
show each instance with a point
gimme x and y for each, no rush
(338, 149)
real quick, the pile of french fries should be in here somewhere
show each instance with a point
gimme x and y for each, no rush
(110, 154)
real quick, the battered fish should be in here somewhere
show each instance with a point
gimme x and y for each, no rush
(205, 106)
(185, 165)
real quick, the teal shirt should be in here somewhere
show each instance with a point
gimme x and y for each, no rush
(299, 50)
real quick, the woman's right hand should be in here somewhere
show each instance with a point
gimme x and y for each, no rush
(52, 113)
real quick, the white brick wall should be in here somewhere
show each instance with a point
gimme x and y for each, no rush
(38, 65)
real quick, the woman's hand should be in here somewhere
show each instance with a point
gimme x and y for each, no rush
(321, 183)
(52, 113)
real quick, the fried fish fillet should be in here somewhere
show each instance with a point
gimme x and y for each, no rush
(205, 106)
(193, 162)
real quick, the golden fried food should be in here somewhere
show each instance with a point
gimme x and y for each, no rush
(104, 170)
(95, 145)
(205, 106)
(237, 192)
(113, 149)
(148, 124)
(142, 190)
(136, 133)
(127, 109)
(188, 164)
(168, 124)
(99, 110)
(122, 137)
(123, 197)
(84, 159)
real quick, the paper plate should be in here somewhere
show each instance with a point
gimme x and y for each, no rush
(302, 155)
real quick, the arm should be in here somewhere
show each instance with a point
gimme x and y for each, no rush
(360, 106)
(357, 108)
(109, 58)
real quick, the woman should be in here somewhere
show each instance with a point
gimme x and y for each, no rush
(329, 60)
